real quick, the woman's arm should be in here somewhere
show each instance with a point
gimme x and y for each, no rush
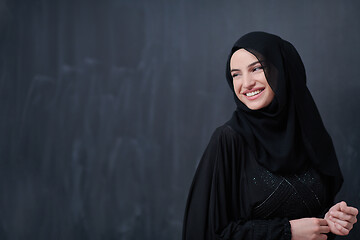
(272, 229)
(279, 229)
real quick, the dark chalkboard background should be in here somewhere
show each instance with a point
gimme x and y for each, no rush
(107, 106)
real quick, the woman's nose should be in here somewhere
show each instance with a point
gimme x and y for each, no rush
(248, 82)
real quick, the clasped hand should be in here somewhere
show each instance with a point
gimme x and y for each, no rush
(339, 220)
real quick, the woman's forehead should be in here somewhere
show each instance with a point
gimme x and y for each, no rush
(242, 57)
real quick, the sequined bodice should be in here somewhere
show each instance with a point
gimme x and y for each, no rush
(294, 196)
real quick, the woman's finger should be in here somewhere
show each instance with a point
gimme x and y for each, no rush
(324, 229)
(322, 237)
(343, 216)
(343, 230)
(349, 210)
(342, 204)
(342, 223)
(321, 221)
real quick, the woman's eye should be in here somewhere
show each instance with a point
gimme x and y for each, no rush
(235, 75)
(258, 68)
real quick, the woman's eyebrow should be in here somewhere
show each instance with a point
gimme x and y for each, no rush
(250, 65)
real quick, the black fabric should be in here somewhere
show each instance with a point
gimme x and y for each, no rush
(285, 138)
(222, 197)
(233, 197)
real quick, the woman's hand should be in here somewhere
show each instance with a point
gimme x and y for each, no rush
(341, 218)
(309, 229)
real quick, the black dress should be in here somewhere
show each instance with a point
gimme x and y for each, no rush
(233, 197)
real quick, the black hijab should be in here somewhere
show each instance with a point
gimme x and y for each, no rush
(288, 135)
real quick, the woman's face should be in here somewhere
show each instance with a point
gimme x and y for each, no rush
(250, 84)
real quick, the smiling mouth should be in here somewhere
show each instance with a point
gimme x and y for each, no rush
(250, 94)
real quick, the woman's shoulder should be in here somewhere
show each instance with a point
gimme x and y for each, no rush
(224, 134)
(225, 146)
(225, 130)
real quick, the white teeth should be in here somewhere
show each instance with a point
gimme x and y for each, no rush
(250, 94)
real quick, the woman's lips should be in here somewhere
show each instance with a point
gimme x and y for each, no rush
(254, 94)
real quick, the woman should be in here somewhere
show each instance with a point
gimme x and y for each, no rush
(271, 171)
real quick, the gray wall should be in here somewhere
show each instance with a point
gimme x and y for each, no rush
(107, 106)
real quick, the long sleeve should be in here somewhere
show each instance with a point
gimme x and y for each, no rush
(278, 228)
(215, 208)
